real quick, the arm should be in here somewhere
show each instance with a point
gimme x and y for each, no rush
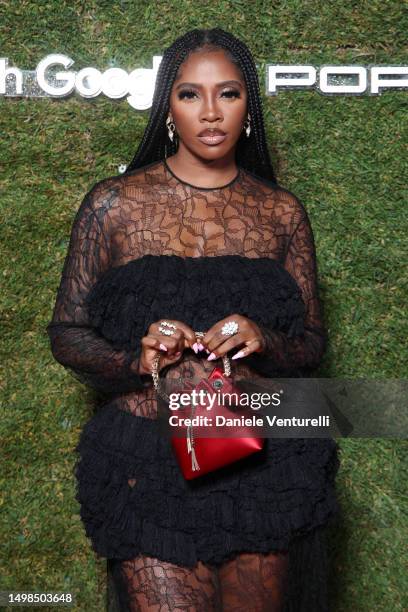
(280, 352)
(88, 356)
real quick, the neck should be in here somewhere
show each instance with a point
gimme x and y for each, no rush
(204, 172)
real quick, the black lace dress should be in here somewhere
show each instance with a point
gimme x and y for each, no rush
(147, 246)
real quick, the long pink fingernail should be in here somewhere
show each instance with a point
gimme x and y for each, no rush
(201, 347)
(163, 348)
(211, 357)
(238, 355)
(195, 347)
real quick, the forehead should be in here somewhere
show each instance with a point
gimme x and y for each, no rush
(208, 66)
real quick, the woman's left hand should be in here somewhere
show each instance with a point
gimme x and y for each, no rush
(248, 333)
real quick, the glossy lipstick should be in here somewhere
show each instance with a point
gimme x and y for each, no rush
(212, 137)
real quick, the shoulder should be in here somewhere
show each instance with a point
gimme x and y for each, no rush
(103, 193)
(274, 197)
(137, 183)
(112, 192)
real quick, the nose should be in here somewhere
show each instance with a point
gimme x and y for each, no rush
(210, 110)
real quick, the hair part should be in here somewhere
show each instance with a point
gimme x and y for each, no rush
(251, 153)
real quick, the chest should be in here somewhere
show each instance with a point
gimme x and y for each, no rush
(197, 227)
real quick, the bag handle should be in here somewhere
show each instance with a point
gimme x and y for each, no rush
(156, 377)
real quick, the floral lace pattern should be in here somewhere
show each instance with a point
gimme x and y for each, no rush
(149, 213)
(146, 246)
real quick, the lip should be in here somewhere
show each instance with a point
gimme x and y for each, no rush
(212, 140)
(212, 132)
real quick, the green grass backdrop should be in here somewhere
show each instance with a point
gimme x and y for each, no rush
(344, 156)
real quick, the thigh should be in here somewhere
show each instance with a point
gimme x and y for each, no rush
(254, 581)
(153, 585)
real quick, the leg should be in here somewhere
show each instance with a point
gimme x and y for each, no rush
(158, 586)
(254, 581)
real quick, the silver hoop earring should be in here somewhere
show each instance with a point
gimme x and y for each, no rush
(247, 127)
(171, 128)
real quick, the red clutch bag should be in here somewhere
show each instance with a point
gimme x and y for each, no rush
(196, 454)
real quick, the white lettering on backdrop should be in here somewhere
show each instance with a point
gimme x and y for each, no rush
(53, 78)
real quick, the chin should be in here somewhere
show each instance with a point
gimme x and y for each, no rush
(214, 152)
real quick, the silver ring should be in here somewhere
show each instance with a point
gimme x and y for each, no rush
(163, 328)
(230, 328)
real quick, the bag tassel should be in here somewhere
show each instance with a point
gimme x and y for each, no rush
(190, 449)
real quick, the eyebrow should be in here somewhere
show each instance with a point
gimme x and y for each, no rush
(198, 86)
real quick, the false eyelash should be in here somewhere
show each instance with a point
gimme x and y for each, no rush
(185, 93)
(234, 92)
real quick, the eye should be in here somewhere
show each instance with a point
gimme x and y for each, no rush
(232, 93)
(186, 93)
(189, 94)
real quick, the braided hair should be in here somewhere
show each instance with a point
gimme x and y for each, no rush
(251, 152)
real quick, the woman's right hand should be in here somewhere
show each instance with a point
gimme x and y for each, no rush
(170, 348)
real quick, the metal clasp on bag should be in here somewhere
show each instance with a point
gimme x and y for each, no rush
(217, 383)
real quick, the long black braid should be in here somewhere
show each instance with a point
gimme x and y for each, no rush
(251, 153)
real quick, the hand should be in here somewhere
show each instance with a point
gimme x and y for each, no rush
(169, 347)
(248, 334)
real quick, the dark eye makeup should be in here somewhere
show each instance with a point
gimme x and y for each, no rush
(189, 93)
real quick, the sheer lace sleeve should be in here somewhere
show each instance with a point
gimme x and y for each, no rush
(301, 352)
(88, 356)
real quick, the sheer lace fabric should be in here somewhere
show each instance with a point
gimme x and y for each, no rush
(249, 582)
(151, 212)
(147, 246)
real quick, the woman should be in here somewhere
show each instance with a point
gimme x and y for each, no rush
(196, 234)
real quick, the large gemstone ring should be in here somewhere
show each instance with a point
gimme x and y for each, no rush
(230, 328)
(164, 328)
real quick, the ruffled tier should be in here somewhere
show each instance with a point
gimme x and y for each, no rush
(258, 504)
(196, 290)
